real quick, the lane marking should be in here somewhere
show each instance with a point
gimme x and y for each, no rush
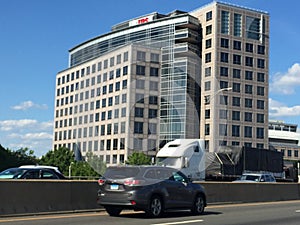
(47, 217)
(298, 211)
(180, 222)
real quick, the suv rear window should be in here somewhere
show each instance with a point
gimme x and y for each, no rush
(121, 172)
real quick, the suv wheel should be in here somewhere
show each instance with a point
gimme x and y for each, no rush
(113, 211)
(198, 205)
(155, 207)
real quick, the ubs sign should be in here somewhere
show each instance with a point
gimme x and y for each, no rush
(141, 20)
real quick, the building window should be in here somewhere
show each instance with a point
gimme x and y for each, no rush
(260, 104)
(153, 72)
(154, 58)
(223, 129)
(208, 43)
(224, 57)
(248, 102)
(223, 100)
(248, 132)
(139, 112)
(207, 113)
(252, 28)
(138, 127)
(236, 87)
(248, 75)
(249, 47)
(207, 71)
(236, 101)
(152, 128)
(125, 56)
(140, 70)
(236, 115)
(139, 98)
(225, 22)
(206, 129)
(237, 25)
(223, 113)
(248, 89)
(125, 70)
(141, 56)
(224, 42)
(236, 59)
(236, 73)
(223, 84)
(235, 130)
(224, 71)
(152, 113)
(261, 63)
(119, 59)
(237, 45)
(259, 132)
(249, 61)
(208, 29)
(261, 49)
(260, 118)
(261, 77)
(140, 84)
(209, 16)
(296, 154)
(207, 85)
(207, 57)
(248, 117)
(289, 153)
(153, 100)
(260, 90)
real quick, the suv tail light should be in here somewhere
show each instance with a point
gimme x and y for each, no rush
(101, 182)
(132, 182)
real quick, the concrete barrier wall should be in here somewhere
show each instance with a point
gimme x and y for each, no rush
(29, 197)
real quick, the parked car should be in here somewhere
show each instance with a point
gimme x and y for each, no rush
(32, 172)
(152, 189)
(256, 177)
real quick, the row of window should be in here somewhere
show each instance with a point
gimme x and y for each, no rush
(237, 60)
(111, 101)
(94, 92)
(105, 129)
(236, 101)
(288, 153)
(236, 130)
(92, 69)
(237, 45)
(236, 116)
(234, 143)
(236, 73)
(236, 87)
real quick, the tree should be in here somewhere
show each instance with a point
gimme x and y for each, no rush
(61, 158)
(64, 159)
(138, 158)
(9, 158)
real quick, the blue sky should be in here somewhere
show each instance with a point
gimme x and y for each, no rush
(35, 37)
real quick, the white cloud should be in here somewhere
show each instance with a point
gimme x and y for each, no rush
(277, 109)
(26, 133)
(286, 83)
(27, 105)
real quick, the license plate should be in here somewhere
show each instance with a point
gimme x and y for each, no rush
(114, 186)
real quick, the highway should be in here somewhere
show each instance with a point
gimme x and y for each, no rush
(271, 213)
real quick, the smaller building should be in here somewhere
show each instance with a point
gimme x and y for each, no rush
(284, 137)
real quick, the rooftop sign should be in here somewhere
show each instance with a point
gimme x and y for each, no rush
(141, 20)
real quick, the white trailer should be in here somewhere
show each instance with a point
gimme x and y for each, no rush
(186, 155)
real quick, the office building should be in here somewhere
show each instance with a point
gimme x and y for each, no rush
(234, 84)
(157, 78)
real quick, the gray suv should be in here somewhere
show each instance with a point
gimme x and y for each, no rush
(152, 189)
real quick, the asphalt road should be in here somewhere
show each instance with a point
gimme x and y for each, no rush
(276, 213)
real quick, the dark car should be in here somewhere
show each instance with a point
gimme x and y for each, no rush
(152, 189)
(32, 172)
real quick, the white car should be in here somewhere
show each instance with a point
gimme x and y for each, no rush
(256, 177)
